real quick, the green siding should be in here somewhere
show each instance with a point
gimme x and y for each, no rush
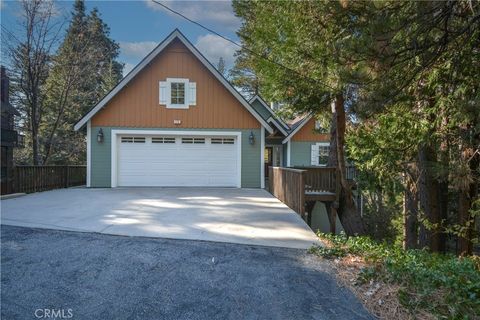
(101, 156)
(264, 113)
(300, 153)
(100, 165)
(250, 159)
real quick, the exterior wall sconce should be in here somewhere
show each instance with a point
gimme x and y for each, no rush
(100, 136)
(251, 138)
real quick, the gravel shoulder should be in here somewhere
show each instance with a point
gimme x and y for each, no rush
(114, 277)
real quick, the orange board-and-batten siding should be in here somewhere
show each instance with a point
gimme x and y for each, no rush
(137, 104)
(308, 133)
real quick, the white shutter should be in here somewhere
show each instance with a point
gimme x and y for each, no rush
(163, 92)
(192, 93)
(314, 155)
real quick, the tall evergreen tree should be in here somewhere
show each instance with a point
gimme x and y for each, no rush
(305, 38)
(221, 66)
(382, 59)
(243, 77)
(84, 70)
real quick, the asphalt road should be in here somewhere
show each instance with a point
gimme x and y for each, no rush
(96, 276)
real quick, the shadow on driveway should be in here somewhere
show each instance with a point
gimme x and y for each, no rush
(113, 277)
(234, 215)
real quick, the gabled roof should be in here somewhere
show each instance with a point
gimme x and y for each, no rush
(278, 125)
(176, 34)
(296, 127)
(274, 116)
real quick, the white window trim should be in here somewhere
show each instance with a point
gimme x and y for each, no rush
(322, 144)
(89, 153)
(262, 157)
(169, 92)
(288, 153)
(116, 134)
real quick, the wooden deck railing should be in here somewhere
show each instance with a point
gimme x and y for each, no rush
(288, 185)
(320, 179)
(300, 187)
(40, 178)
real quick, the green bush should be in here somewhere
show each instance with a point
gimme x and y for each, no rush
(444, 285)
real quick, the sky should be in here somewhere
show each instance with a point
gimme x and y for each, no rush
(138, 26)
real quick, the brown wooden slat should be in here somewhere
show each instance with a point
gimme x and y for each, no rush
(288, 185)
(30, 179)
(137, 105)
(320, 179)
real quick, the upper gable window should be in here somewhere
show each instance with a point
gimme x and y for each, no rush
(178, 93)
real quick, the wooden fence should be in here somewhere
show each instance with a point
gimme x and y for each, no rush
(40, 178)
(288, 185)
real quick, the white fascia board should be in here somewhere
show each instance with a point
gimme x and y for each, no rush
(257, 97)
(262, 158)
(288, 153)
(224, 81)
(126, 80)
(176, 34)
(89, 153)
(278, 126)
(287, 139)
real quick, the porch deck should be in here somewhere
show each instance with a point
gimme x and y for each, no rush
(301, 187)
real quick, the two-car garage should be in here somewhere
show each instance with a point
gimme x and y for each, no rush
(172, 159)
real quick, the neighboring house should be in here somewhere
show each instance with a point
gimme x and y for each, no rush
(9, 137)
(174, 120)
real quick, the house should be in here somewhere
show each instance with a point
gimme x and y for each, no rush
(301, 143)
(174, 120)
(9, 137)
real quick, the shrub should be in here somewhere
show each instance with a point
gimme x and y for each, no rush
(444, 285)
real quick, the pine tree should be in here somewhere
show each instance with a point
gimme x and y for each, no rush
(296, 62)
(221, 66)
(84, 70)
(243, 77)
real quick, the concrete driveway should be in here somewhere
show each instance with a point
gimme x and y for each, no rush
(246, 216)
(96, 276)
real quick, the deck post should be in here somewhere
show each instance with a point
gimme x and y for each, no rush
(332, 216)
(302, 195)
(309, 205)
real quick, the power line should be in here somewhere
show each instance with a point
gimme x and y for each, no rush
(261, 56)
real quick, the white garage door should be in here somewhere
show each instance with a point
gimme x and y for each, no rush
(177, 161)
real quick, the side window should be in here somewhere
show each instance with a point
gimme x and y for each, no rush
(323, 152)
(177, 93)
(319, 154)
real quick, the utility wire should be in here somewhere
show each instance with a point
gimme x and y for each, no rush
(261, 56)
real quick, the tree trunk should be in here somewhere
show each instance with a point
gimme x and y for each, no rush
(466, 199)
(443, 180)
(347, 211)
(429, 200)
(410, 210)
(35, 142)
(465, 245)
